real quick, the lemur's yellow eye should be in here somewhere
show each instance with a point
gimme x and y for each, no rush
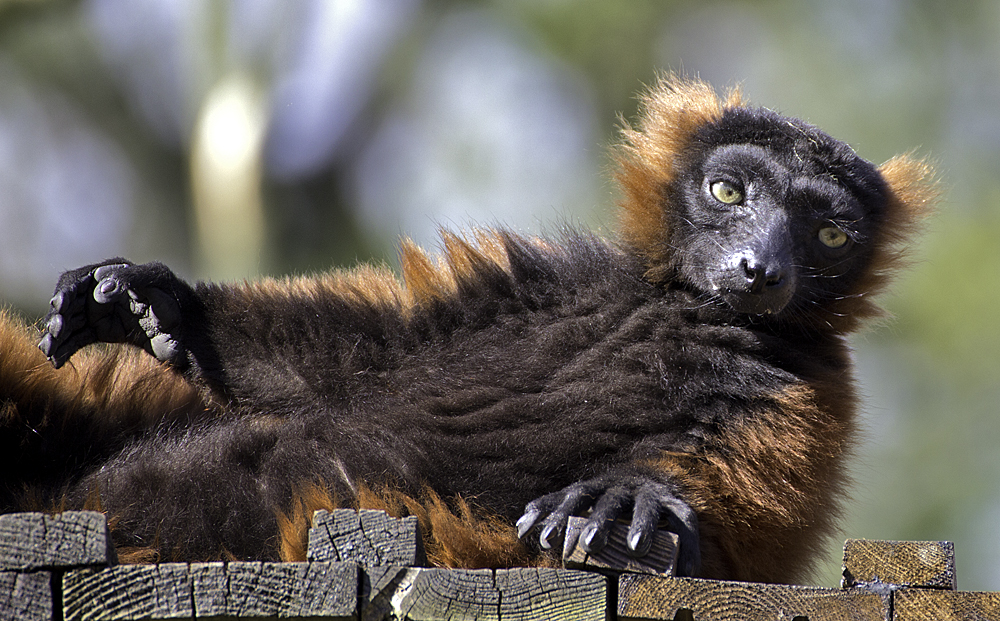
(832, 237)
(725, 192)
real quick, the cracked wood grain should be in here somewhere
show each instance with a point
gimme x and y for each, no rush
(31, 541)
(369, 538)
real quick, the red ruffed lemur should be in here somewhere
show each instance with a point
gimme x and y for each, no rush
(692, 373)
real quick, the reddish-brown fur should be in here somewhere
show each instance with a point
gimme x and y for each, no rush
(784, 465)
(114, 388)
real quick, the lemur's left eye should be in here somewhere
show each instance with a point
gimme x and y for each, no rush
(832, 237)
(726, 192)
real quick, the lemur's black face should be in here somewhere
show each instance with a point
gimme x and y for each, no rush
(767, 230)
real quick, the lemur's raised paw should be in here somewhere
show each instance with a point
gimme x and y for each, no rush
(113, 302)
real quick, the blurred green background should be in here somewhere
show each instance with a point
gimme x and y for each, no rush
(231, 139)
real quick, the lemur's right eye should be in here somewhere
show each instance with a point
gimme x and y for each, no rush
(725, 192)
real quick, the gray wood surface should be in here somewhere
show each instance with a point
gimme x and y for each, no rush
(38, 541)
(26, 596)
(245, 590)
(369, 538)
(936, 605)
(543, 593)
(419, 594)
(256, 590)
(128, 592)
(378, 588)
(615, 557)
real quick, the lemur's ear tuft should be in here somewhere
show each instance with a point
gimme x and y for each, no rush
(647, 156)
(914, 189)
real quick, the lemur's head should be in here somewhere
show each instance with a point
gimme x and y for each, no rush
(762, 213)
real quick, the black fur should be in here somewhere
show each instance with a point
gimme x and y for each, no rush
(559, 378)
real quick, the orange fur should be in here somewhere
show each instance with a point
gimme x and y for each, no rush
(424, 281)
(145, 555)
(750, 495)
(115, 387)
(454, 536)
(364, 285)
(293, 526)
(670, 113)
(914, 189)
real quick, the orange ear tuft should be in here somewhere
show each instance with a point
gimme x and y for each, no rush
(914, 188)
(670, 113)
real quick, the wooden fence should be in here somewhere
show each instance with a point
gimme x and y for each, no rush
(365, 565)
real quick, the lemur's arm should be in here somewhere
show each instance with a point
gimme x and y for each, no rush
(203, 331)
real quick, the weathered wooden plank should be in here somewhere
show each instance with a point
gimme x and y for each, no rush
(369, 538)
(419, 594)
(614, 556)
(209, 589)
(126, 592)
(255, 589)
(251, 590)
(378, 587)
(328, 590)
(454, 594)
(31, 541)
(26, 596)
(654, 597)
(545, 593)
(937, 605)
(922, 564)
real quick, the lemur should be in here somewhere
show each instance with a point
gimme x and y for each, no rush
(691, 373)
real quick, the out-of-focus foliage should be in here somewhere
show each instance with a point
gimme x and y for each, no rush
(943, 303)
(232, 138)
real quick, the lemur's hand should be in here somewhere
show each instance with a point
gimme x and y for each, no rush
(114, 302)
(609, 497)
